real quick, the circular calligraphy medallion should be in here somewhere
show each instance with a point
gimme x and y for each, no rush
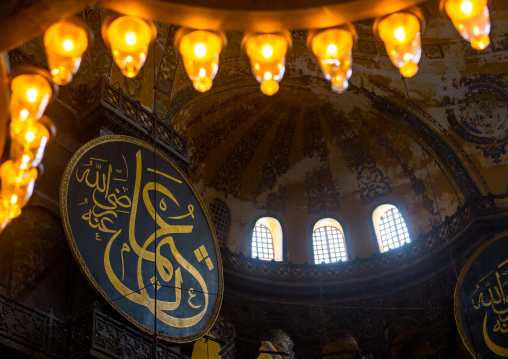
(142, 236)
(483, 111)
(481, 300)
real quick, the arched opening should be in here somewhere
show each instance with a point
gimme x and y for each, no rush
(390, 227)
(267, 239)
(328, 241)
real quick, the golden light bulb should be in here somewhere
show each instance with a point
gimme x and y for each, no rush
(200, 52)
(29, 137)
(31, 91)
(400, 33)
(31, 94)
(471, 18)
(466, 7)
(129, 38)
(333, 49)
(23, 114)
(267, 55)
(65, 43)
(267, 51)
(68, 45)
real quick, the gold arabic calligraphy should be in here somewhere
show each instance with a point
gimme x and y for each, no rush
(492, 298)
(107, 204)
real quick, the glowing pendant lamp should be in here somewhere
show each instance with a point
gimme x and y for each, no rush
(333, 49)
(471, 18)
(65, 43)
(401, 34)
(129, 38)
(267, 55)
(31, 91)
(200, 50)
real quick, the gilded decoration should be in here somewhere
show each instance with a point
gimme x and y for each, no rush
(480, 303)
(165, 277)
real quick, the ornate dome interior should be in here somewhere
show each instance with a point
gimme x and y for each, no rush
(307, 151)
(431, 145)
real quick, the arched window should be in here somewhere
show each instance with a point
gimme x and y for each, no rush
(221, 218)
(328, 241)
(267, 239)
(390, 227)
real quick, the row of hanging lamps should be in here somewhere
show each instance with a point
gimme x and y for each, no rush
(31, 91)
(401, 34)
(65, 43)
(334, 51)
(129, 38)
(267, 55)
(200, 50)
(471, 18)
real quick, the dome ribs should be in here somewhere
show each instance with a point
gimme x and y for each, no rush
(228, 178)
(277, 161)
(372, 183)
(216, 133)
(322, 195)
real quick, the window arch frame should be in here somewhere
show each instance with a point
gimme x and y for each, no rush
(345, 233)
(283, 235)
(374, 227)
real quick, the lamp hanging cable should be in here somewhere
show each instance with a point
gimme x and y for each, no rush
(423, 154)
(439, 212)
(155, 283)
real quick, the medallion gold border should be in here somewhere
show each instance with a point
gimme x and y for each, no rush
(457, 295)
(84, 269)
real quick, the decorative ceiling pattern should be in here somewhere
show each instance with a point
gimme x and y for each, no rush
(306, 151)
(418, 186)
(372, 182)
(229, 176)
(480, 115)
(321, 192)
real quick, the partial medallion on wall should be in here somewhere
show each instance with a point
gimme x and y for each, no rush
(479, 114)
(481, 300)
(142, 236)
